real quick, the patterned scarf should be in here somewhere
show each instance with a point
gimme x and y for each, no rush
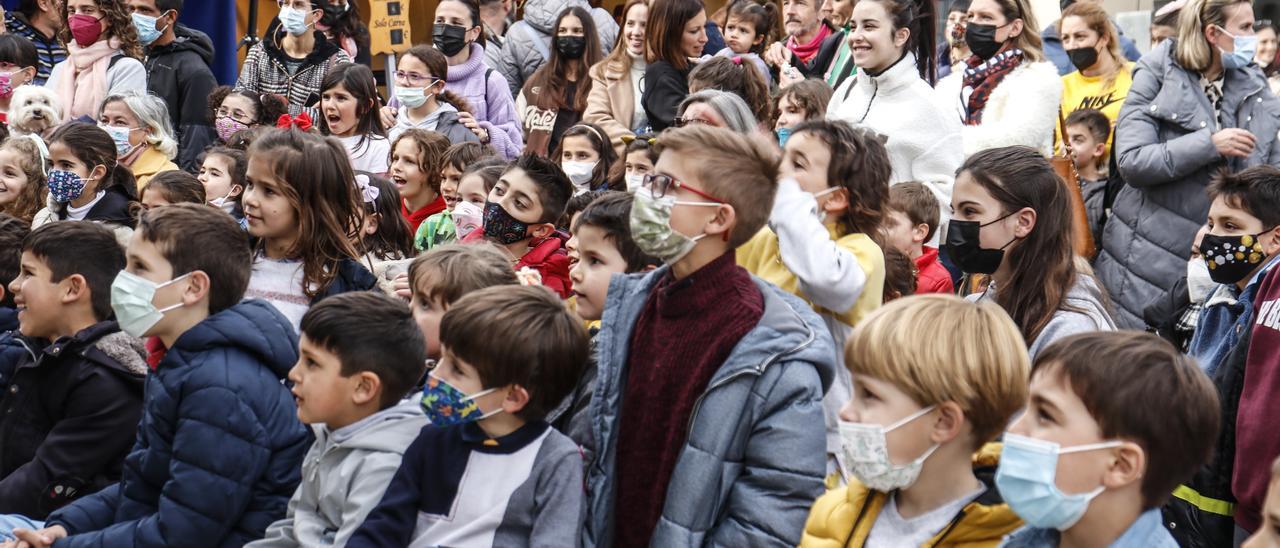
(981, 78)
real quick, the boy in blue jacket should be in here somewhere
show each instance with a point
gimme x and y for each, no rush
(219, 446)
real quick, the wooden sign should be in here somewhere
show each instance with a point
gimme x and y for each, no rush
(389, 26)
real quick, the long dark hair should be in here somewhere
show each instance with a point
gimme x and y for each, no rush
(393, 240)
(664, 30)
(473, 6)
(358, 80)
(438, 65)
(916, 16)
(608, 156)
(553, 78)
(860, 165)
(93, 146)
(314, 175)
(1043, 263)
(347, 24)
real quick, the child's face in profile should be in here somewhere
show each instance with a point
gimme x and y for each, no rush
(323, 395)
(882, 403)
(427, 312)
(790, 114)
(405, 172)
(451, 174)
(1088, 151)
(146, 260)
(740, 35)
(449, 191)
(37, 299)
(12, 178)
(1268, 534)
(598, 260)
(901, 234)
(1056, 414)
(461, 375)
(215, 175)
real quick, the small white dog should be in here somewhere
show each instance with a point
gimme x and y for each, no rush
(33, 110)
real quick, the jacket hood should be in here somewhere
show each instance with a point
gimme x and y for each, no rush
(389, 431)
(788, 330)
(125, 350)
(102, 343)
(252, 326)
(188, 39)
(541, 14)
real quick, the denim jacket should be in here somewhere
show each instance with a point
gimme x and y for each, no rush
(1146, 532)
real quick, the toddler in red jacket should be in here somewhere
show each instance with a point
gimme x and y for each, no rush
(910, 220)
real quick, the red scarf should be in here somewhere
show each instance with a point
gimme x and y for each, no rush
(416, 218)
(982, 77)
(807, 52)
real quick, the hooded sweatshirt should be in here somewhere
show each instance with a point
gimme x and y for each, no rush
(179, 73)
(344, 476)
(444, 120)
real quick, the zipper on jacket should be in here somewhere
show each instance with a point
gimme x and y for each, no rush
(862, 513)
(697, 405)
(950, 527)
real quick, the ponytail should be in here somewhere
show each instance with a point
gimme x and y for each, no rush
(917, 17)
(454, 99)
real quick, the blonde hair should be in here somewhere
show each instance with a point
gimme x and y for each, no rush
(1029, 39)
(941, 348)
(718, 151)
(1192, 50)
(1097, 20)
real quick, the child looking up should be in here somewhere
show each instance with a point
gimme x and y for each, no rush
(440, 277)
(23, 176)
(75, 383)
(302, 205)
(917, 436)
(800, 102)
(520, 215)
(359, 354)
(486, 403)
(222, 174)
(683, 370)
(1084, 466)
(349, 105)
(910, 219)
(219, 447)
(820, 244)
(747, 32)
(417, 167)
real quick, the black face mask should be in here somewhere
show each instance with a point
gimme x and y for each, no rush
(332, 14)
(449, 39)
(1064, 4)
(1083, 58)
(571, 47)
(981, 40)
(1231, 258)
(964, 247)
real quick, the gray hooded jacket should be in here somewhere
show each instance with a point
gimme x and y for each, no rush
(344, 476)
(755, 454)
(1166, 155)
(528, 42)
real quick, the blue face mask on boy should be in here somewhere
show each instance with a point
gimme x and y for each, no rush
(1027, 480)
(445, 405)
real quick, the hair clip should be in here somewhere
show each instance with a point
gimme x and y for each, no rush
(301, 121)
(628, 139)
(593, 130)
(368, 192)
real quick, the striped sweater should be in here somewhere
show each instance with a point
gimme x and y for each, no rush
(267, 70)
(49, 50)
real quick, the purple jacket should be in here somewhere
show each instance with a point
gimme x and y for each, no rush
(490, 101)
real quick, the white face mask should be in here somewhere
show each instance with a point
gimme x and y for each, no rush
(634, 180)
(866, 454)
(1199, 283)
(579, 173)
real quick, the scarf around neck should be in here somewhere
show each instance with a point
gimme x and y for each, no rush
(84, 78)
(981, 78)
(807, 52)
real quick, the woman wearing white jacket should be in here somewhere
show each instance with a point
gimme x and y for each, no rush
(1009, 94)
(891, 42)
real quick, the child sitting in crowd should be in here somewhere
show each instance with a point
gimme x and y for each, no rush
(821, 241)
(467, 212)
(417, 170)
(702, 365)
(74, 380)
(438, 278)
(520, 215)
(746, 33)
(172, 187)
(916, 436)
(219, 446)
(910, 220)
(349, 106)
(222, 175)
(638, 158)
(359, 354)
(489, 470)
(1091, 460)
(23, 176)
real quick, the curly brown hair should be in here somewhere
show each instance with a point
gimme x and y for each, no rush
(31, 162)
(121, 26)
(860, 164)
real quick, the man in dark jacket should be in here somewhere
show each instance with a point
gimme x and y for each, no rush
(178, 71)
(72, 406)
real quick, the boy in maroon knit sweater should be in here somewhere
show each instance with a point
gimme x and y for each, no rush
(707, 411)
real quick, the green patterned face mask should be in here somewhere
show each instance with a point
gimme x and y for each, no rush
(651, 226)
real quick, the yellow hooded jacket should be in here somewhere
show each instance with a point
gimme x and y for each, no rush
(844, 516)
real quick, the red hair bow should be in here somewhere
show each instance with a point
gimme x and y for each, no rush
(301, 121)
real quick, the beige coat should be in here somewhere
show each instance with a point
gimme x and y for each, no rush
(611, 104)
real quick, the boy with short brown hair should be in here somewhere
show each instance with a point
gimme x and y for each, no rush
(910, 222)
(701, 364)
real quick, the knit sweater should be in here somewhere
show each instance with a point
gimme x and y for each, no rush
(265, 70)
(684, 334)
(49, 50)
(490, 99)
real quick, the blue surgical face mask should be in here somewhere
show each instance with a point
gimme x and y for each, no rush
(120, 135)
(784, 133)
(1027, 480)
(146, 27)
(1245, 49)
(293, 21)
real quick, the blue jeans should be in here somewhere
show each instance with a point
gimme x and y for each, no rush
(9, 522)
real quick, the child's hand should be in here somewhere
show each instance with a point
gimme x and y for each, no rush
(470, 121)
(388, 115)
(401, 285)
(43, 538)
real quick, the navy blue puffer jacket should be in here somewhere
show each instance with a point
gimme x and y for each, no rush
(219, 448)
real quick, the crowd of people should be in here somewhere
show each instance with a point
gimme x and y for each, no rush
(782, 273)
